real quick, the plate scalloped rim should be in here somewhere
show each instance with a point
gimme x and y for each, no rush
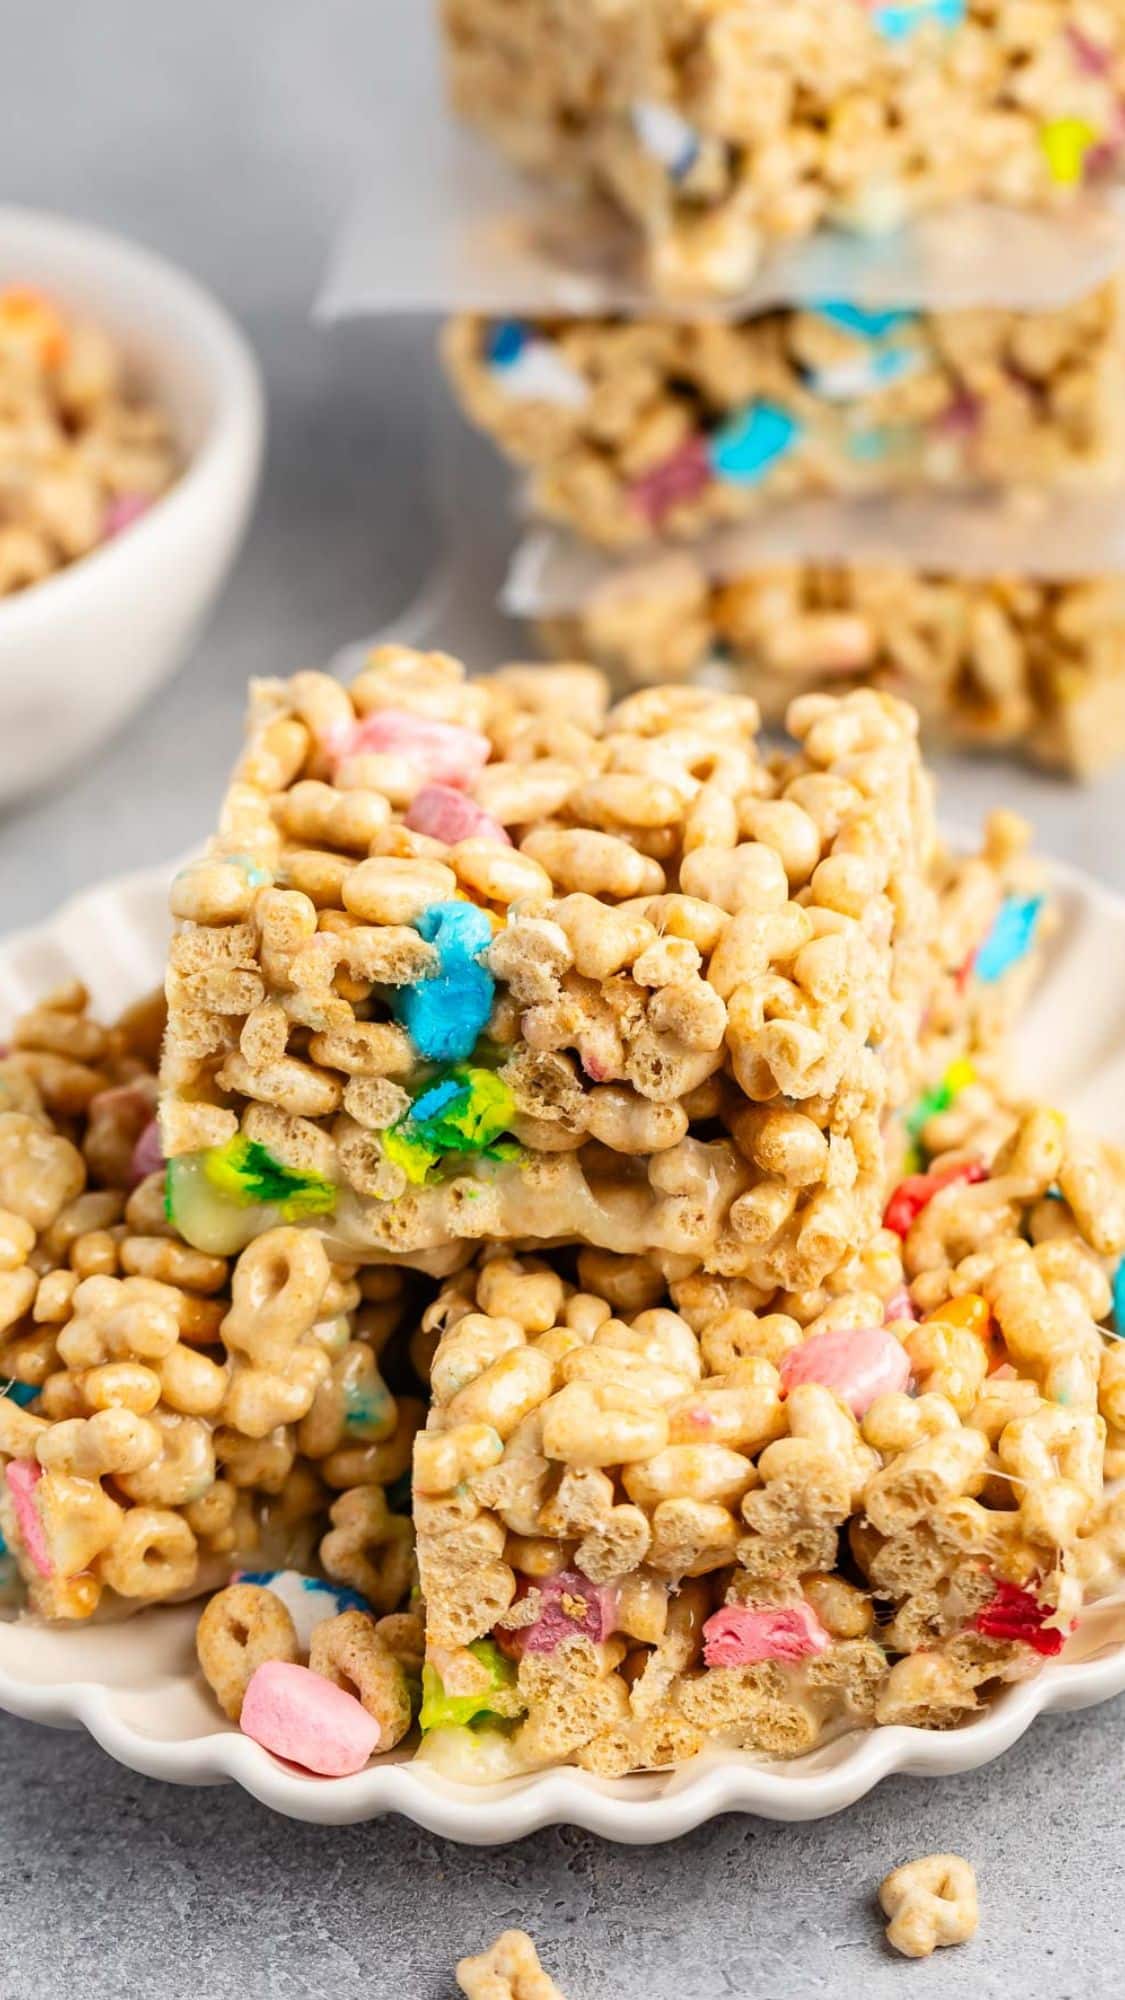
(126, 920)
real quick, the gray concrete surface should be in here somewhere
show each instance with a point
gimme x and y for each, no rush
(227, 136)
(112, 1888)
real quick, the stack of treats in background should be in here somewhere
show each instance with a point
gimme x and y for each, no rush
(725, 132)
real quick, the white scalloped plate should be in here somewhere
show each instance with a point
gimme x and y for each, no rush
(134, 1685)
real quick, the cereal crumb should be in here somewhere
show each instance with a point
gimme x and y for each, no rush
(930, 1902)
(508, 1970)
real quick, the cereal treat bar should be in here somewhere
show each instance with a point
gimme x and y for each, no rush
(989, 662)
(636, 430)
(82, 455)
(491, 959)
(655, 1516)
(723, 126)
(166, 1417)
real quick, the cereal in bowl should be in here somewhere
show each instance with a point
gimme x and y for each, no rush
(83, 454)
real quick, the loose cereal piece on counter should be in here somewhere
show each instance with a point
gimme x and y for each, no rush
(508, 1970)
(823, 397)
(308, 1720)
(720, 132)
(930, 1902)
(993, 662)
(663, 1015)
(83, 454)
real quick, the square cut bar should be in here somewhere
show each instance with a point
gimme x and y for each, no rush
(721, 127)
(997, 662)
(655, 1519)
(633, 430)
(492, 959)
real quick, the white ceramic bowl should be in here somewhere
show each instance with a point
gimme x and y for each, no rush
(81, 650)
(135, 1685)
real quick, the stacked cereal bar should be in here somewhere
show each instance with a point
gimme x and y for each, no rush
(165, 1417)
(994, 662)
(722, 126)
(494, 960)
(633, 430)
(656, 1514)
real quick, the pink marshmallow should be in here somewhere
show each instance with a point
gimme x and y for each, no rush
(442, 753)
(739, 1636)
(589, 1611)
(858, 1363)
(308, 1720)
(131, 1105)
(122, 512)
(900, 1305)
(148, 1154)
(446, 814)
(23, 1476)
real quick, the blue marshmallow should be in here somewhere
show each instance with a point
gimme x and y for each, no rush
(1010, 938)
(309, 1600)
(444, 1015)
(744, 449)
(668, 137)
(873, 325)
(900, 19)
(22, 1393)
(506, 342)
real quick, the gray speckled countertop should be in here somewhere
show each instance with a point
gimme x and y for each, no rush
(228, 136)
(113, 1887)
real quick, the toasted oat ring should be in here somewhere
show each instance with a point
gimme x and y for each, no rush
(242, 1627)
(348, 1650)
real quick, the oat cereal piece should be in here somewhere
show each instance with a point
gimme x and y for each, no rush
(239, 1628)
(930, 1902)
(508, 1970)
(673, 428)
(719, 131)
(350, 1651)
(665, 1015)
(83, 454)
(996, 662)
